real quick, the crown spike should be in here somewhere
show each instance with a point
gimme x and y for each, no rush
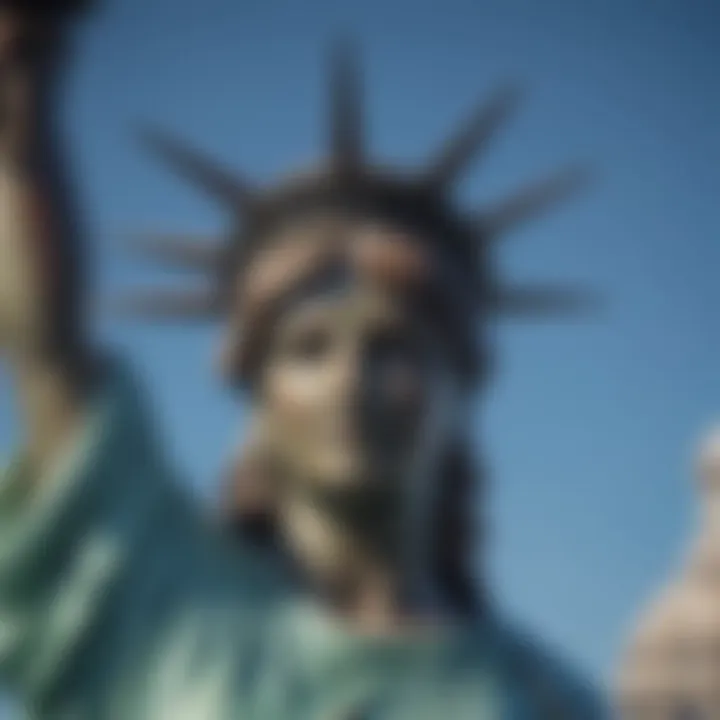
(536, 301)
(532, 201)
(170, 305)
(471, 138)
(346, 112)
(215, 180)
(178, 251)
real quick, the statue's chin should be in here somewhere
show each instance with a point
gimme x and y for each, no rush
(347, 476)
(341, 484)
(355, 487)
(337, 480)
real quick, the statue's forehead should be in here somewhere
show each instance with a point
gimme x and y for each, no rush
(321, 245)
(348, 301)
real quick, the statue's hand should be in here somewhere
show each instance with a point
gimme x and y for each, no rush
(29, 211)
(29, 58)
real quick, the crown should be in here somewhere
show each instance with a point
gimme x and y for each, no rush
(347, 180)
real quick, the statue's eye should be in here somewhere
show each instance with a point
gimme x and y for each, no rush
(310, 344)
(395, 348)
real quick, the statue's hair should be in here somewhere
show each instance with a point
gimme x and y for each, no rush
(419, 202)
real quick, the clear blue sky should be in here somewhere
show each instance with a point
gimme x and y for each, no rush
(590, 426)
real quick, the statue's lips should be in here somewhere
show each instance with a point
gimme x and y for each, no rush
(357, 446)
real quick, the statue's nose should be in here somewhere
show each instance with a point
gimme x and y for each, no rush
(347, 376)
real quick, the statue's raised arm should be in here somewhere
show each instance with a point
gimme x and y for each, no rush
(41, 284)
(115, 599)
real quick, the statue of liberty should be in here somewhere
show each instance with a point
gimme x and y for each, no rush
(357, 302)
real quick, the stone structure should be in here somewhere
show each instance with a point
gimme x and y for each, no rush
(671, 670)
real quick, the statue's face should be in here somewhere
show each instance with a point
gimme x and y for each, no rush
(357, 392)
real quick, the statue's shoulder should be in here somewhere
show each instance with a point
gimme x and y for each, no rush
(552, 686)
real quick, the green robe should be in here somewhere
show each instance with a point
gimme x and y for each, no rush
(118, 600)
